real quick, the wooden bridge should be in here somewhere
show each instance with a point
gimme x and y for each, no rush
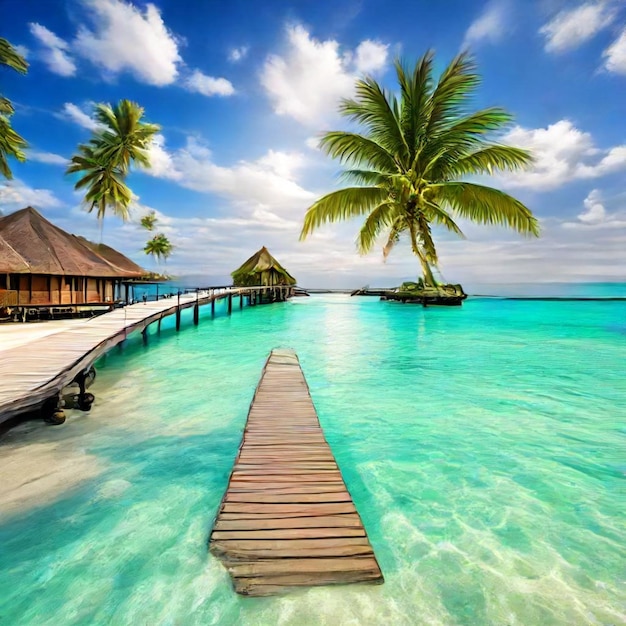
(36, 371)
(287, 519)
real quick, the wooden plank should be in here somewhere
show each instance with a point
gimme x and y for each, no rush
(275, 498)
(304, 566)
(329, 521)
(287, 519)
(271, 585)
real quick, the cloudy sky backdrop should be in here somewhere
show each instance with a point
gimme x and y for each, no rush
(243, 89)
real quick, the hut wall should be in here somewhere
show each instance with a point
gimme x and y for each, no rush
(66, 290)
(55, 286)
(39, 290)
(108, 291)
(93, 295)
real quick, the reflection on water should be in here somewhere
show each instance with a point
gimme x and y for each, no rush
(480, 445)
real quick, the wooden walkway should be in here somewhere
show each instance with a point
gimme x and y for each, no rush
(32, 372)
(287, 519)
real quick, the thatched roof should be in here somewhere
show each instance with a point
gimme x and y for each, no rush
(262, 269)
(30, 244)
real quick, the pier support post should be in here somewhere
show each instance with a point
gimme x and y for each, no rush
(230, 303)
(178, 318)
(213, 306)
(52, 411)
(159, 326)
(196, 314)
(144, 336)
(85, 400)
(241, 301)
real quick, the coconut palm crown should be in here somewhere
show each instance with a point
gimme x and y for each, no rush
(408, 164)
(159, 247)
(120, 139)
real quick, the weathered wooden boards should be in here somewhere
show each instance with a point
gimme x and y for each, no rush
(31, 373)
(287, 519)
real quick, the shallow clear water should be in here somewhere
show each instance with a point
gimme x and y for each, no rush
(483, 446)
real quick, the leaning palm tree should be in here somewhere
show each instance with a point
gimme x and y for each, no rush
(11, 143)
(409, 162)
(121, 139)
(159, 247)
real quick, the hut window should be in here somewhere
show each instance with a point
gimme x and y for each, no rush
(3, 281)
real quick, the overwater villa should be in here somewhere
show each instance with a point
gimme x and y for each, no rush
(44, 268)
(262, 269)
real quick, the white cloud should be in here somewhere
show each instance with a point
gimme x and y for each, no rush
(162, 164)
(55, 53)
(238, 54)
(125, 38)
(209, 86)
(309, 80)
(15, 194)
(46, 157)
(312, 143)
(562, 153)
(75, 114)
(594, 209)
(370, 56)
(270, 181)
(22, 51)
(490, 26)
(615, 55)
(572, 27)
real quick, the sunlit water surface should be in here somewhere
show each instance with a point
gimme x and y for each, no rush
(483, 446)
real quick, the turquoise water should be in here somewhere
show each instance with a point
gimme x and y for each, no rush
(483, 446)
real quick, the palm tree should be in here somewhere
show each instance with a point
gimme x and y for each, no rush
(120, 140)
(11, 144)
(409, 162)
(149, 221)
(159, 247)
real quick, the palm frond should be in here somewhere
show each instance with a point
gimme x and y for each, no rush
(486, 205)
(380, 218)
(451, 95)
(378, 111)
(365, 177)
(341, 205)
(10, 57)
(11, 145)
(434, 213)
(490, 159)
(415, 90)
(357, 149)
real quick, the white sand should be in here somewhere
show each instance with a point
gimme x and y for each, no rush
(38, 466)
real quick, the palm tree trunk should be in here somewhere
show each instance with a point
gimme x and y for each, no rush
(429, 279)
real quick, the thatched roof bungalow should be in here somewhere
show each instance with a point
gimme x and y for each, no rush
(42, 264)
(262, 269)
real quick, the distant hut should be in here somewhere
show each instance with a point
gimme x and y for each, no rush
(262, 269)
(42, 264)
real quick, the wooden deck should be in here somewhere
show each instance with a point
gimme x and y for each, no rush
(34, 371)
(287, 520)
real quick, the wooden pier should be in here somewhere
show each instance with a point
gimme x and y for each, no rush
(33, 373)
(287, 520)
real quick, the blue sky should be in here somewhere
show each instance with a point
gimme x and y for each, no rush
(241, 89)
